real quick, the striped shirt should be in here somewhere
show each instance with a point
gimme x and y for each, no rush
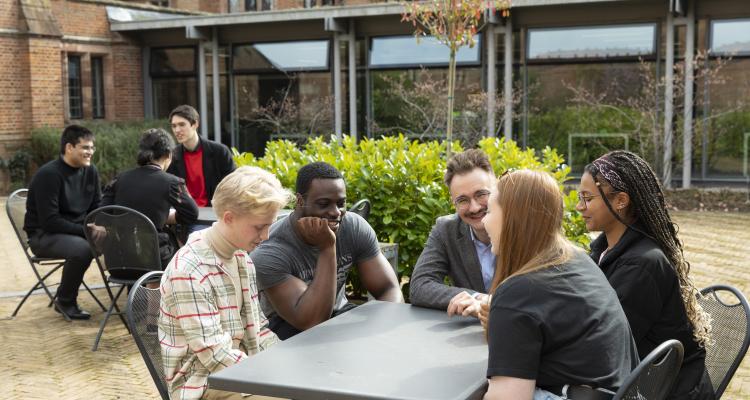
(202, 328)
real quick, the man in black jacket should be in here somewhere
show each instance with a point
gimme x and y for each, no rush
(200, 162)
(61, 193)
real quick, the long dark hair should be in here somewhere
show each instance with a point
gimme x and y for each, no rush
(626, 172)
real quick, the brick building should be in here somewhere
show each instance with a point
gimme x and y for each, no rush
(337, 65)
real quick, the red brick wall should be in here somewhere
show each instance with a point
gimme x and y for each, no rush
(15, 104)
(81, 19)
(9, 14)
(128, 82)
(45, 63)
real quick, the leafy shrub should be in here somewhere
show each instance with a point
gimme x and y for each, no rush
(116, 144)
(404, 181)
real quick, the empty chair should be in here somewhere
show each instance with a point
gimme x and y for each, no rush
(125, 246)
(362, 208)
(143, 317)
(654, 377)
(43, 268)
(729, 311)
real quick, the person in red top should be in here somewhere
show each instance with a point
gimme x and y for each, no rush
(202, 163)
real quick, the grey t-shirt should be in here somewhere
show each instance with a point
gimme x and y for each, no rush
(284, 254)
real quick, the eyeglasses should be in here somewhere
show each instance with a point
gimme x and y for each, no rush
(586, 199)
(462, 202)
(87, 148)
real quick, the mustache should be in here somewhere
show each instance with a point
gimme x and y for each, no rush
(472, 215)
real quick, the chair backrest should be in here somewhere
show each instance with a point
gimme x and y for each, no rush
(654, 377)
(362, 208)
(143, 317)
(130, 243)
(15, 207)
(730, 336)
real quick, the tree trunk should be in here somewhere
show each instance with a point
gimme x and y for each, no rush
(451, 91)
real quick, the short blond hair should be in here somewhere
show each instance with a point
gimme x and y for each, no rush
(250, 191)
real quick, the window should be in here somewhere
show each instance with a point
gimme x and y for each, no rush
(173, 61)
(730, 37)
(282, 56)
(173, 76)
(592, 42)
(400, 51)
(160, 3)
(258, 5)
(97, 87)
(75, 99)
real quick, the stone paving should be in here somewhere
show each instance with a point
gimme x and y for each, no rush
(46, 357)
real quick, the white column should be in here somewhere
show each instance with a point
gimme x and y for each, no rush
(202, 96)
(668, 103)
(687, 128)
(215, 83)
(352, 81)
(489, 35)
(508, 80)
(337, 87)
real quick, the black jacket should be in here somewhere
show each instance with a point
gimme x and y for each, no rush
(649, 291)
(217, 163)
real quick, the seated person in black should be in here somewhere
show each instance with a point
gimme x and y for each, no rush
(151, 191)
(642, 257)
(60, 195)
(553, 319)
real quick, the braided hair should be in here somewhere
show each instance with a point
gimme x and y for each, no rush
(626, 172)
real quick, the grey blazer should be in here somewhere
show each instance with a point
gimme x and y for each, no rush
(449, 252)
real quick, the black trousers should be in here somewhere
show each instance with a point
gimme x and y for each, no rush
(284, 330)
(77, 254)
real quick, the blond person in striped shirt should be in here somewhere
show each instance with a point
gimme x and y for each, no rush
(210, 317)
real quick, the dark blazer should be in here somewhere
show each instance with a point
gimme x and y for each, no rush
(649, 292)
(217, 163)
(152, 192)
(449, 252)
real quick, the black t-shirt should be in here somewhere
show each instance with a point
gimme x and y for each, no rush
(560, 325)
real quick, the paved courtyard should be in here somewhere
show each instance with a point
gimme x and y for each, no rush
(46, 357)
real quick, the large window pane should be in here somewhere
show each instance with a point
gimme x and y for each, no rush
(280, 106)
(405, 51)
(724, 136)
(97, 87)
(175, 61)
(592, 42)
(585, 110)
(172, 92)
(414, 102)
(730, 36)
(282, 56)
(75, 97)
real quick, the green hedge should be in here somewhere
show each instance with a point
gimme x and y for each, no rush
(403, 180)
(116, 144)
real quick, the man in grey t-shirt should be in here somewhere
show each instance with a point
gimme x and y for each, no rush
(302, 267)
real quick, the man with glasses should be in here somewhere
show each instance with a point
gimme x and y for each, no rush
(60, 195)
(302, 267)
(458, 246)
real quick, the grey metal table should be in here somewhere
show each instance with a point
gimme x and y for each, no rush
(378, 350)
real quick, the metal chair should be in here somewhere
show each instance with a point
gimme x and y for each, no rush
(729, 312)
(15, 207)
(143, 317)
(362, 208)
(654, 377)
(125, 246)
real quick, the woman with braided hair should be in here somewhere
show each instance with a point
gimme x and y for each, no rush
(642, 257)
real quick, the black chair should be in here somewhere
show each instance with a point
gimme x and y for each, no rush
(15, 207)
(654, 377)
(143, 317)
(729, 312)
(125, 246)
(362, 208)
